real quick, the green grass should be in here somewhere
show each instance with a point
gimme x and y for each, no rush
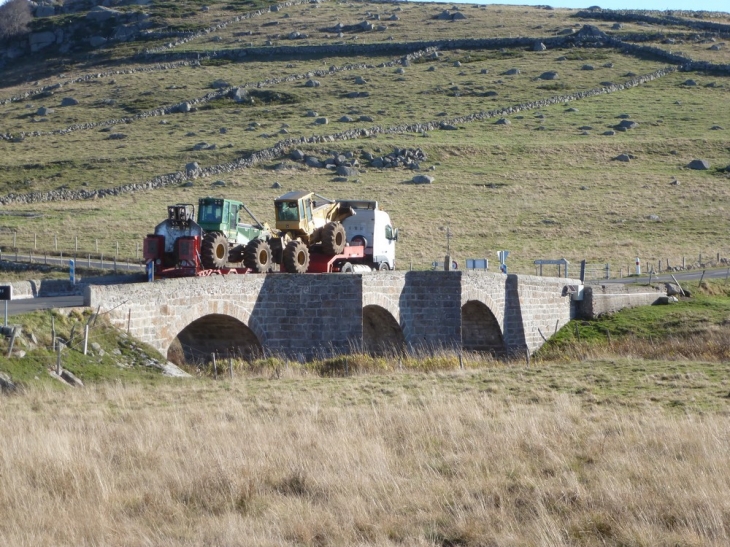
(540, 193)
(116, 358)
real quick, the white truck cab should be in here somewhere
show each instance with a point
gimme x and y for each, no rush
(371, 228)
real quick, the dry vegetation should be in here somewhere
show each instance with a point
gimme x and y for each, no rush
(493, 457)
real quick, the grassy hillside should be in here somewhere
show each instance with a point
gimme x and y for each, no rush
(543, 186)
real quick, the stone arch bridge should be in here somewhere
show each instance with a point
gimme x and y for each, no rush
(326, 314)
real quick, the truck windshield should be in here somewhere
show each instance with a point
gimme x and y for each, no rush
(211, 214)
(287, 210)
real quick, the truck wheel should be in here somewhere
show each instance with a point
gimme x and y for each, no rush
(296, 257)
(334, 238)
(214, 251)
(346, 268)
(383, 267)
(257, 256)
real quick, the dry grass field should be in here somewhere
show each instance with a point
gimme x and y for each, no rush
(629, 453)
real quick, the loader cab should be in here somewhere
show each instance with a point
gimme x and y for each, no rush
(294, 211)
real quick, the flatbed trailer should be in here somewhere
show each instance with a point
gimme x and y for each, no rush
(319, 262)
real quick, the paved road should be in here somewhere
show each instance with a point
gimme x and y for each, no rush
(693, 275)
(25, 305)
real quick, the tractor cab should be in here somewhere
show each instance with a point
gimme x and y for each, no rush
(219, 215)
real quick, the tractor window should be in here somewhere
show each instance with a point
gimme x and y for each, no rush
(287, 210)
(308, 209)
(233, 216)
(211, 214)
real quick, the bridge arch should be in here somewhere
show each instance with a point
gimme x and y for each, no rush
(480, 329)
(381, 332)
(214, 332)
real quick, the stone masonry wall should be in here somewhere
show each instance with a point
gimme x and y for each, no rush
(535, 304)
(292, 315)
(322, 314)
(610, 298)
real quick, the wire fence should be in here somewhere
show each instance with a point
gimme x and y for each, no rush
(71, 246)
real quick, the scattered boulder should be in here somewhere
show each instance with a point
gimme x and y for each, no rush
(550, 75)
(346, 119)
(503, 121)
(717, 128)
(699, 165)
(116, 137)
(457, 63)
(220, 84)
(609, 133)
(345, 171)
(539, 46)
(313, 161)
(623, 157)
(617, 26)
(422, 179)
(44, 111)
(97, 41)
(587, 67)
(321, 121)
(6, 383)
(689, 83)
(625, 125)
(458, 16)
(400, 70)
(69, 101)
(512, 72)
(192, 168)
(297, 155)
(484, 71)
(311, 114)
(276, 186)
(183, 107)
(431, 68)
(360, 80)
(312, 83)
(368, 119)
(654, 218)
(447, 127)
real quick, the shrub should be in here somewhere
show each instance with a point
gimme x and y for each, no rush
(14, 18)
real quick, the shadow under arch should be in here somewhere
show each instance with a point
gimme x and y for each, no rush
(480, 329)
(381, 333)
(211, 333)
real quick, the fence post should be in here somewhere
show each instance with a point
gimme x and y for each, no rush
(76, 243)
(96, 245)
(58, 360)
(55, 242)
(35, 241)
(230, 366)
(215, 366)
(86, 338)
(15, 240)
(582, 271)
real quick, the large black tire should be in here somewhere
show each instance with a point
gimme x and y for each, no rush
(383, 267)
(334, 238)
(214, 251)
(296, 257)
(257, 256)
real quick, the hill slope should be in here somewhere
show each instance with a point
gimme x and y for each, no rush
(101, 138)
